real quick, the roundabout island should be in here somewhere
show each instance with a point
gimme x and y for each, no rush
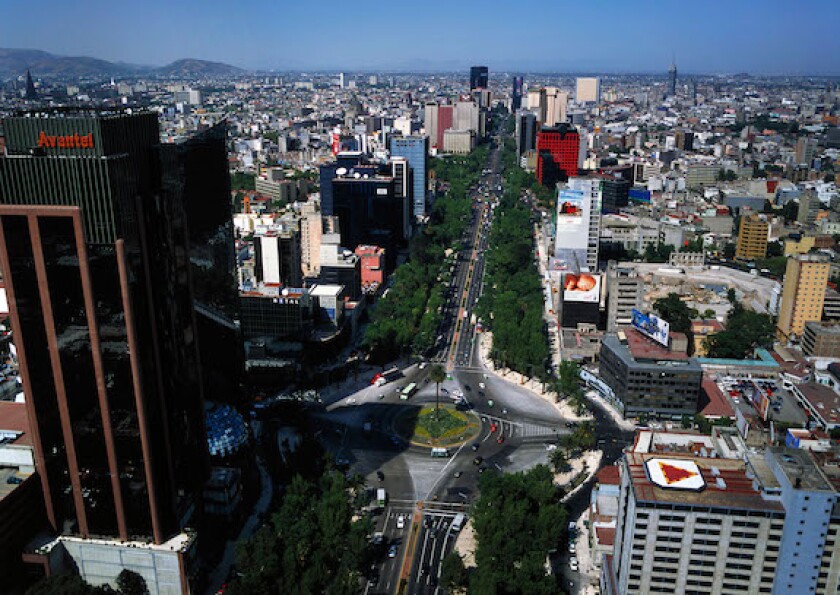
(442, 428)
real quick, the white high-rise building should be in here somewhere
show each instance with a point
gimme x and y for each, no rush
(588, 90)
(591, 189)
(341, 80)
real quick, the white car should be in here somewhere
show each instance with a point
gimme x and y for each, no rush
(573, 564)
(481, 385)
(401, 522)
(422, 365)
(572, 548)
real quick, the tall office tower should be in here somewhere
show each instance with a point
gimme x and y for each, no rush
(809, 208)
(200, 174)
(277, 253)
(538, 103)
(744, 522)
(478, 77)
(803, 293)
(516, 94)
(311, 228)
(369, 211)
(616, 194)
(806, 148)
(672, 80)
(753, 234)
(556, 103)
(558, 150)
(31, 93)
(416, 150)
(625, 292)
(466, 116)
(431, 113)
(446, 117)
(403, 184)
(95, 259)
(588, 90)
(526, 132)
(592, 193)
(327, 172)
(341, 80)
(694, 91)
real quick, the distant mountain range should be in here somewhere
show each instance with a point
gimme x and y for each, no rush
(14, 62)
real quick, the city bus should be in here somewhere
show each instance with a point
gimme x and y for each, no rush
(408, 391)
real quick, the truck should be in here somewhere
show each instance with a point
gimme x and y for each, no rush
(381, 497)
(387, 376)
(458, 522)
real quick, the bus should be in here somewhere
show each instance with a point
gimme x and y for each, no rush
(440, 452)
(458, 522)
(408, 391)
(387, 376)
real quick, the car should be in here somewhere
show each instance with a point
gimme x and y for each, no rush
(351, 400)
(478, 461)
(500, 439)
(481, 394)
(422, 365)
(14, 480)
(504, 411)
(392, 551)
(490, 403)
(458, 474)
(380, 476)
(493, 427)
(573, 564)
(401, 522)
(482, 386)
(550, 447)
(381, 396)
(427, 522)
(572, 547)
(467, 387)
(482, 469)
(475, 446)
(571, 424)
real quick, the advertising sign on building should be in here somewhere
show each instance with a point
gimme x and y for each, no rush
(572, 224)
(651, 326)
(584, 287)
(758, 399)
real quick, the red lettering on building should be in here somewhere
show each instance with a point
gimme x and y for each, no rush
(70, 141)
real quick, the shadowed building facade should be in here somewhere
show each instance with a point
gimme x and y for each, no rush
(95, 255)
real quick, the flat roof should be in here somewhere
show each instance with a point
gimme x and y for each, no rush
(799, 465)
(13, 418)
(644, 348)
(675, 474)
(822, 399)
(735, 490)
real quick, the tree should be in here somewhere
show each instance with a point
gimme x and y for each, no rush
(675, 311)
(559, 461)
(65, 584)
(516, 504)
(131, 583)
(453, 573)
(745, 331)
(775, 249)
(729, 250)
(314, 543)
(686, 422)
(437, 375)
(707, 314)
(730, 295)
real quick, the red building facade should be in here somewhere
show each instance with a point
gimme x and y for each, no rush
(373, 267)
(558, 148)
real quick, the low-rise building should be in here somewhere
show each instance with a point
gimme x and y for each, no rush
(821, 339)
(702, 330)
(820, 402)
(648, 378)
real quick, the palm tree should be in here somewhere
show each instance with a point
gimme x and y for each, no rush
(437, 375)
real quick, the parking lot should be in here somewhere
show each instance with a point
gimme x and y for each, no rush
(747, 394)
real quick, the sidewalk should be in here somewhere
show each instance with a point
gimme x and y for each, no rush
(532, 385)
(588, 571)
(588, 462)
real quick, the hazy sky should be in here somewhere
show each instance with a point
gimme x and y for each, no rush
(709, 36)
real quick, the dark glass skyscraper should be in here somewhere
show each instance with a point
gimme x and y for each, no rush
(516, 95)
(478, 77)
(672, 80)
(95, 254)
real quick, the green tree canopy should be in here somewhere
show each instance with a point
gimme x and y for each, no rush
(745, 330)
(518, 519)
(675, 311)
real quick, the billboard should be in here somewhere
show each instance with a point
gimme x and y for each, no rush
(584, 287)
(758, 399)
(651, 326)
(571, 227)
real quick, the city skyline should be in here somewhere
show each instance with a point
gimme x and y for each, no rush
(723, 39)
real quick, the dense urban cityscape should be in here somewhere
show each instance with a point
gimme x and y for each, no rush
(388, 332)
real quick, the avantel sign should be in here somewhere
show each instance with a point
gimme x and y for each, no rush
(68, 141)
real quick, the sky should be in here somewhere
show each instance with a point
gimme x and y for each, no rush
(707, 36)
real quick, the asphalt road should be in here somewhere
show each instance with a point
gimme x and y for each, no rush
(428, 492)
